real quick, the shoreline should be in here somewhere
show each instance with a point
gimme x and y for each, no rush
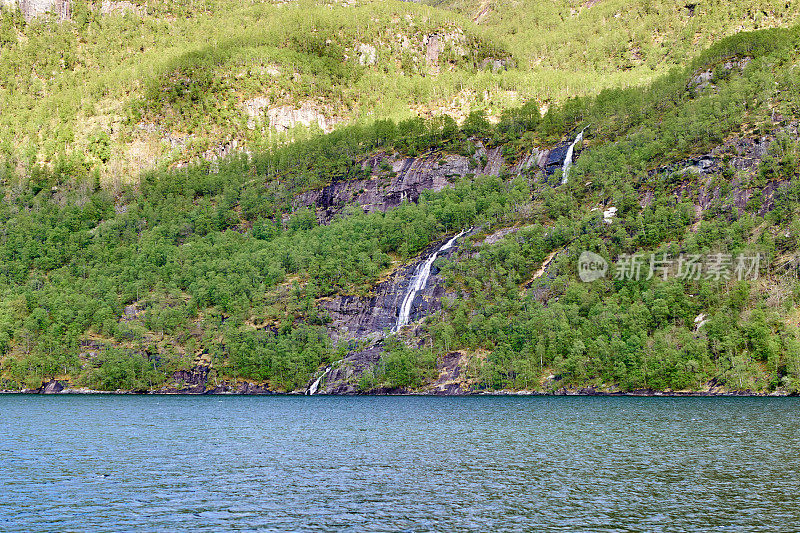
(579, 392)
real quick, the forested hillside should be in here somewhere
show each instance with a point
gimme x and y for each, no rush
(270, 267)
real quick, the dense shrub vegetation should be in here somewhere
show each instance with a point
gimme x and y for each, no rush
(185, 248)
(120, 287)
(645, 334)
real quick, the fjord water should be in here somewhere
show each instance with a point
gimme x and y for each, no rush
(144, 463)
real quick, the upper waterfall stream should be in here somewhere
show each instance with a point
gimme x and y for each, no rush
(419, 282)
(568, 159)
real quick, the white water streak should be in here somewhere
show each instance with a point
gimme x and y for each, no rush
(312, 390)
(419, 282)
(568, 158)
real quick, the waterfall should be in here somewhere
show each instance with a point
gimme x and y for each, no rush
(418, 283)
(312, 390)
(568, 157)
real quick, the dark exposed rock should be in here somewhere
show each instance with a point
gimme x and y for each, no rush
(740, 153)
(245, 387)
(450, 381)
(395, 180)
(705, 79)
(53, 387)
(196, 376)
(554, 158)
(192, 381)
(701, 80)
(743, 155)
(384, 391)
(89, 349)
(343, 377)
(449, 389)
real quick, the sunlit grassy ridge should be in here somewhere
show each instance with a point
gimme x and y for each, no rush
(183, 80)
(617, 33)
(162, 85)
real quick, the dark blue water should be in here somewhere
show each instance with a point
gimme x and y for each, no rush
(125, 463)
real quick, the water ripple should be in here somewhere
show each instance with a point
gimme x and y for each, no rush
(78, 463)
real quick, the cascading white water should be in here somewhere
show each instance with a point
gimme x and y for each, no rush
(568, 158)
(312, 390)
(419, 282)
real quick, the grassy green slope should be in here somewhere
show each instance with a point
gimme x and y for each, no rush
(617, 34)
(175, 79)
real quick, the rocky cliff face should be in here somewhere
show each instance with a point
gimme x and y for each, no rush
(121, 7)
(743, 155)
(34, 8)
(368, 319)
(62, 9)
(395, 180)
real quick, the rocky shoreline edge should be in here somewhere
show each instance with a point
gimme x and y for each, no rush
(55, 387)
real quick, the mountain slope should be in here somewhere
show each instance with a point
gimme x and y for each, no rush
(264, 271)
(142, 85)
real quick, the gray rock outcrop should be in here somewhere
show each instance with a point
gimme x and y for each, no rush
(284, 118)
(53, 387)
(395, 180)
(35, 8)
(367, 54)
(120, 7)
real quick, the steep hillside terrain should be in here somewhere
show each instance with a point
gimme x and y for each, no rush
(126, 86)
(330, 264)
